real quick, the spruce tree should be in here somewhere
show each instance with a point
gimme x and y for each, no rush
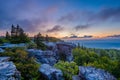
(38, 39)
(7, 36)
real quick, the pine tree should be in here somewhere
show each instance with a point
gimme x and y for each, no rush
(46, 38)
(38, 39)
(20, 36)
(7, 35)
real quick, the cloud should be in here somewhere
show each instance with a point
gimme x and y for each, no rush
(86, 36)
(51, 10)
(31, 25)
(69, 17)
(114, 36)
(75, 36)
(31, 16)
(75, 16)
(106, 14)
(55, 28)
(81, 27)
(91, 16)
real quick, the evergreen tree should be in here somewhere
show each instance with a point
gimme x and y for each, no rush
(46, 38)
(7, 36)
(38, 39)
(18, 35)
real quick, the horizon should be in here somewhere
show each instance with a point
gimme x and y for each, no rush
(62, 19)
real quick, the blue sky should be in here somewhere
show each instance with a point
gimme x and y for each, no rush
(61, 18)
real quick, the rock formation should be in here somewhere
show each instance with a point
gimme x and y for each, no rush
(1, 50)
(4, 59)
(51, 73)
(52, 55)
(43, 56)
(66, 49)
(91, 73)
(8, 70)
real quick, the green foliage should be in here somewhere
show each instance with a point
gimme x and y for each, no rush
(68, 68)
(3, 40)
(27, 66)
(82, 56)
(38, 39)
(104, 63)
(105, 59)
(7, 36)
(22, 38)
(31, 45)
(53, 39)
(41, 46)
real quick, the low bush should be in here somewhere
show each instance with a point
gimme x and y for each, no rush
(27, 66)
(68, 68)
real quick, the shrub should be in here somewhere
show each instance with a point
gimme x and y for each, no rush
(68, 68)
(31, 45)
(3, 40)
(27, 66)
(105, 59)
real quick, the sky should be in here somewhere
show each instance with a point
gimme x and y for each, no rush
(62, 18)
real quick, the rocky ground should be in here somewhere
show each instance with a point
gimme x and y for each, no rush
(8, 70)
(51, 73)
(47, 59)
(91, 73)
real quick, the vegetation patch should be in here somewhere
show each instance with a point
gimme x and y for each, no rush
(99, 58)
(27, 66)
(68, 68)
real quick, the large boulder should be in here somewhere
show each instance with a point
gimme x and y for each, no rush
(50, 73)
(76, 77)
(51, 45)
(8, 71)
(46, 57)
(9, 45)
(54, 52)
(2, 50)
(65, 48)
(91, 73)
(4, 59)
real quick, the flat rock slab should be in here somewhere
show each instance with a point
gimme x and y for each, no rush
(4, 59)
(8, 71)
(51, 73)
(91, 73)
(76, 77)
(2, 50)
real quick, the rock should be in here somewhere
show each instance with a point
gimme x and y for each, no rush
(46, 57)
(66, 49)
(53, 47)
(2, 50)
(9, 45)
(53, 54)
(50, 45)
(91, 73)
(76, 77)
(4, 59)
(51, 73)
(8, 71)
